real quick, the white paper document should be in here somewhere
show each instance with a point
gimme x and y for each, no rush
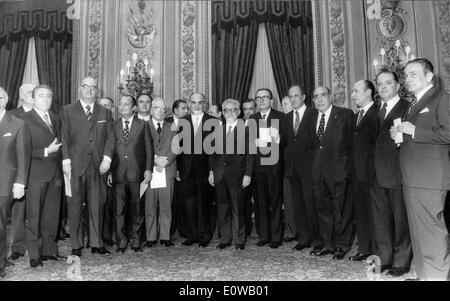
(158, 179)
(399, 135)
(264, 135)
(67, 188)
(142, 189)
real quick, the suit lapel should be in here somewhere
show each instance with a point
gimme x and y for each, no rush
(366, 116)
(135, 125)
(41, 122)
(389, 118)
(5, 124)
(423, 102)
(331, 122)
(119, 129)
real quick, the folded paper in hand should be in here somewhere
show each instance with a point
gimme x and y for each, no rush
(399, 135)
(264, 135)
(158, 179)
(142, 189)
(67, 188)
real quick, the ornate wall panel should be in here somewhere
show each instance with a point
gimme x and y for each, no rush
(189, 47)
(95, 37)
(442, 9)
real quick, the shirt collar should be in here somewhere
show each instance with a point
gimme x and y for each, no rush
(392, 102)
(146, 117)
(40, 113)
(327, 112)
(2, 114)
(83, 104)
(367, 107)
(232, 124)
(129, 119)
(301, 109)
(423, 91)
(26, 109)
(155, 123)
(267, 113)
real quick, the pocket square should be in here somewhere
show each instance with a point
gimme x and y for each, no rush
(426, 110)
(101, 121)
(7, 135)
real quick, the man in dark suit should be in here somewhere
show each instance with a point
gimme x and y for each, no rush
(158, 200)
(88, 144)
(298, 170)
(364, 138)
(45, 181)
(388, 205)
(331, 166)
(231, 168)
(144, 103)
(180, 109)
(194, 174)
(425, 167)
(14, 159)
(270, 128)
(18, 227)
(131, 165)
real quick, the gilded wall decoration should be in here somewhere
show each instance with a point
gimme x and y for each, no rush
(443, 14)
(141, 32)
(338, 56)
(188, 38)
(95, 37)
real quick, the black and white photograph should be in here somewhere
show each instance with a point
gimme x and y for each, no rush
(220, 147)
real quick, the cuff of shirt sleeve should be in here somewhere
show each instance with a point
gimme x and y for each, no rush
(17, 185)
(106, 158)
(66, 161)
(45, 152)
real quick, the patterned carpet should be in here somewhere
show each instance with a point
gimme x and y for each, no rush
(181, 263)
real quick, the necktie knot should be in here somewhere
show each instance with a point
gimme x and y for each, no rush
(159, 128)
(264, 116)
(360, 116)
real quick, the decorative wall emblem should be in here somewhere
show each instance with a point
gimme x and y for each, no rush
(443, 17)
(391, 24)
(141, 32)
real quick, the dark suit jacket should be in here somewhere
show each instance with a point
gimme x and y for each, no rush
(332, 155)
(162, 145)
(235, 164)
(194, 163)
(298, 155)
(18, 112)
(364, 139)
(282, 129)
(82, 138)
(131, 159)
(424, 159)
(15, 153)
(43, 169)
(387, 164)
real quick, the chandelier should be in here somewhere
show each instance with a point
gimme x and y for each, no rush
(139, 76)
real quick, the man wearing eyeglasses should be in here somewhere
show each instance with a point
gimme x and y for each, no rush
(88, 144)
(268, 177)
(231, 168)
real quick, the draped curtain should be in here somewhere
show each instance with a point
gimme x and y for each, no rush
(47, 21)
(289, 32)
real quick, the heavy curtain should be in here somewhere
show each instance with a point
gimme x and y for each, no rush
(291, 52)
(47, 21)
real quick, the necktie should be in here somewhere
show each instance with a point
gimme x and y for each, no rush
(230, 128)
(47, 122)
(297, 122)
(264, 116)
(412, 104)
(88, 112)
(159, 128)
(360, 117)
(321, 127)
(382, 114)
(126, 131)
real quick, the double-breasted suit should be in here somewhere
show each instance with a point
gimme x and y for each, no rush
(132, 157)
(43, 196)
(15, 161)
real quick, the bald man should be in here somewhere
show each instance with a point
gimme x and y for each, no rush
(88, 144)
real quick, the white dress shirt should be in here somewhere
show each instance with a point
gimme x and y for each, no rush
(327, 116)
(155, 123)
(265, 114)
(83, 104)
(423, 91)
(130, 121)
(390, 104)
(145, 118)
(196, 120)
(2, 113)
(301, 112)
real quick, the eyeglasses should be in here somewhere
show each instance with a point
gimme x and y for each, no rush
(87, 87)
(259, 98)
(230, 111)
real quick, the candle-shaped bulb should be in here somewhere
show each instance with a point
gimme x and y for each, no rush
(128, 64)
(122, 73)
(413, 57)
(375, 63)
(407, 50)
(397, 43)
(145, 61)
(382, 51)
(151, 74)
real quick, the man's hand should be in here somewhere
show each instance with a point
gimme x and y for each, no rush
(406, 127)
(147, 176)
(161, 161)
(246, 181)
(18, 191)
(275, 135)
(211, 178)
(104, 166)
(54, 146)
(159, 168)
(178, 176)
(67, 169)
(109, 183)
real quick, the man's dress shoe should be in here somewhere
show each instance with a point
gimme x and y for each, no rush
(137, 249)
(413, 279)
(77, 252)
(359, 257)
(203, 244)
(323, 252)
(101, 251)
(150, 244)
(166, 243)
(108, 242)
(397, 272)
(299, 247)
(289, 239)
(56, 257)
(240, 247)
(223, 246)
(189, 242)
(274, 245)
(385, 267)
(15, 255)
(261, 243)
(315, 250)
(338, 254)
(34, 263)
(120, 250)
